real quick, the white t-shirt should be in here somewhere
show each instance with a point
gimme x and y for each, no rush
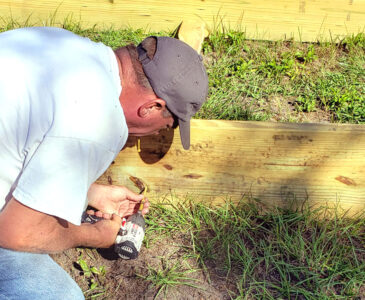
(61, 123)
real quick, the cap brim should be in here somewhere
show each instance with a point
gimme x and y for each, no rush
(184, 127)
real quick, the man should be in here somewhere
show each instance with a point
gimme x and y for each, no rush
(67, 106)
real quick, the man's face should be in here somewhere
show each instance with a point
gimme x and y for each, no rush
(145, 113)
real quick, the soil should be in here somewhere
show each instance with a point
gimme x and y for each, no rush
(127, 279)
(283, 109)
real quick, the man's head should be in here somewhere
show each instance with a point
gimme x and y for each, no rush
(171, 79)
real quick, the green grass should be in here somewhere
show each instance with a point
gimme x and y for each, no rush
(270, 254)
(246, 75)
(169, 276)
(260, 80)
(263, 80)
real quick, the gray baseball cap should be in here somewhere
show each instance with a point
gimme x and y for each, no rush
(177, 76)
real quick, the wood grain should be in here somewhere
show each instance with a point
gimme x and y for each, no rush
(277, 163)
(303, 20)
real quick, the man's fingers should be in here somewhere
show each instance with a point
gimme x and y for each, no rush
(99, 214)
(116, 218)
(103, 215)
(145, 211)
(146, 202)
(133, 196)
(135, 208)
(90, 212)
(146, 207)
(107, 216)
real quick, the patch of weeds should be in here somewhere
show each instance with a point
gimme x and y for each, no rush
(337, 93)
(353, 41)
(95, 278)
(291, 64)
(226, 41)
(260, 71)
(275, 253)
(277, 67)
(307, 56)
(306, 104)
(169, 276)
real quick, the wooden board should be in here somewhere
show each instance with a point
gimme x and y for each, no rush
(193, 34)
(277, 163)
(304, 20)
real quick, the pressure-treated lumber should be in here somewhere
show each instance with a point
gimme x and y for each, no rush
(304, 20)
(277, 163)
(193, 34)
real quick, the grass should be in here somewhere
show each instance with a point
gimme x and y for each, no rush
(169, 276)
(262, 254)
(263, 80)
(270, 254)
(245, 77)
(282, 81)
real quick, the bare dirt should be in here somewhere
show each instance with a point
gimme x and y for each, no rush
(164, 260)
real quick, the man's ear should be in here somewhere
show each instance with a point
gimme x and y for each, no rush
(151, 107)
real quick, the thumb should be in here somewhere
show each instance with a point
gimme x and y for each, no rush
(115, 218)
(134, 197)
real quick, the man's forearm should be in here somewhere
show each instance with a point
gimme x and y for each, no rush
(58, 239)
(24, 229)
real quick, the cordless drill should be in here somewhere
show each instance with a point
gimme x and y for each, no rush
(130, 236)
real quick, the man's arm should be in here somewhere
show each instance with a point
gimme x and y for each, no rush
(25, 229)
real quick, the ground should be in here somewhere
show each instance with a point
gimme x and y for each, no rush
(129, 279)
(192, 251)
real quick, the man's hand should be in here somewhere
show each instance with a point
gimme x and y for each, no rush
(112, 199)
(108, 228)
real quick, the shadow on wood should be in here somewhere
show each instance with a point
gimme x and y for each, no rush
(282, 164)
(152, 148)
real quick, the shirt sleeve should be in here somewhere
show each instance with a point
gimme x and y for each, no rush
(59, 174)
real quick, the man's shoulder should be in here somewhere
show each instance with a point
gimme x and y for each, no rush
(43, 32)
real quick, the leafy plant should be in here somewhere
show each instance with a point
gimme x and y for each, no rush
(306, 104)
(95, 277)
(353, 41)
(308, 56)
